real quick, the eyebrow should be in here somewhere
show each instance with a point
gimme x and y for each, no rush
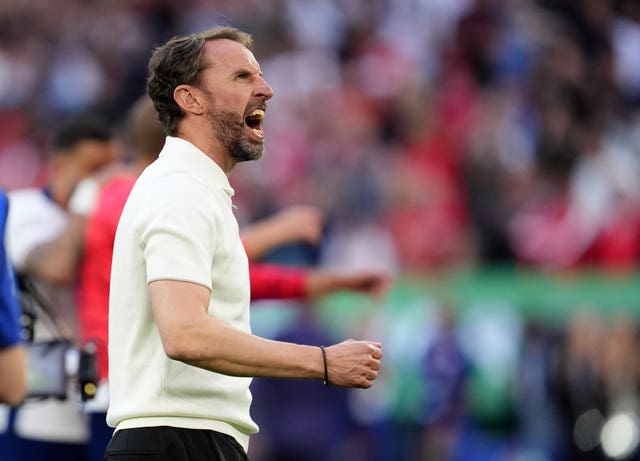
(241, 70)
(249, 71)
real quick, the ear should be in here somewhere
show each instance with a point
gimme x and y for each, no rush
(187, 98)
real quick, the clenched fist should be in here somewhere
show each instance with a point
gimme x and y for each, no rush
(353, 363)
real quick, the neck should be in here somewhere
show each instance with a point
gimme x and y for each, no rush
(209, 145)
(139, 164)
(59, 193)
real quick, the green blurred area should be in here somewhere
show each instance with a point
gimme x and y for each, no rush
(551, 296)
(491, 307)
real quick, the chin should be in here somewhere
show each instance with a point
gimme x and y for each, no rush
(246, 155)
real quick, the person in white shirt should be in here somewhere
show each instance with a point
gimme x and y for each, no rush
(43, 242)
(181, 352)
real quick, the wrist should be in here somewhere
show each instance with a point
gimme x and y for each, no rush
(325, 378)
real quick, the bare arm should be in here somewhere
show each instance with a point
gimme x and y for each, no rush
(13, 375)
(57, 261)
(321, 282)
(294, 224)
(190, 335)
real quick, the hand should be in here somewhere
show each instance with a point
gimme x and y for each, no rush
(375, 284)
(353, 363)
(293, 224)
(321, 282)
(300, 223)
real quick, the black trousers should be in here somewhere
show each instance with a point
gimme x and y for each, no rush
(166, 443)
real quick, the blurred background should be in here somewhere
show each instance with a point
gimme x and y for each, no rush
(484, 152)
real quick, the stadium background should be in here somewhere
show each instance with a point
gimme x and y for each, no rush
(486, 152)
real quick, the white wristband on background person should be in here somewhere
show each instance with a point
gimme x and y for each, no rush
(84, 197)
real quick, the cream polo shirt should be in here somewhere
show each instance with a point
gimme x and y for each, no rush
(178, 224)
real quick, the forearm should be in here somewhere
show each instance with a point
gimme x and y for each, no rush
(350, 363)
(262, 237)
(319, 283)
(216, 346)
(57, 261)
(296, 223)
(13, 375)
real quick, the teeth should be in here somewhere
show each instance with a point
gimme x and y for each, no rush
(258, 113)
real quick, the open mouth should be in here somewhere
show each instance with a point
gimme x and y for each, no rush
(254, 122)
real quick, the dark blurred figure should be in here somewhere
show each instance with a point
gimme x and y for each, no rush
(578, 387)
(538, 420)
(300, 420)
(446, 369)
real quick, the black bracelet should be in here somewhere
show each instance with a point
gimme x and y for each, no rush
(325, 381)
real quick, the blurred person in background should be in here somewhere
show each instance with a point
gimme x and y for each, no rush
(211, 98)
(446, 371)
(538, 420)
(44, 242)
(13, 357)
(594, 383)
(577, 386)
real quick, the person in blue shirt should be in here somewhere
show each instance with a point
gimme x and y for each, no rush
(13, 356)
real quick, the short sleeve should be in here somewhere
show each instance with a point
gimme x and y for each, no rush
(179, 242)
(85, 197)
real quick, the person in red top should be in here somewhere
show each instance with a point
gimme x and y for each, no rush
(145, 138)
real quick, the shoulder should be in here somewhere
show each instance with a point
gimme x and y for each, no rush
(27, 196)
(162, 200)
(176, 186)
(32, 203)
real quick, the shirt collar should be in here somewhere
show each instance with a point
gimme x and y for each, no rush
(198, 163)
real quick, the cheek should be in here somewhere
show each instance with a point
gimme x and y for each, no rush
(98, 163)
(235, 102)
(105, 156)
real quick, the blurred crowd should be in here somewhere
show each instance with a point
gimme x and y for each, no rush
(434, 134)
(448, 132)
(479, 383)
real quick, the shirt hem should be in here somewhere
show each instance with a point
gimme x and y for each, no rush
(210, 424)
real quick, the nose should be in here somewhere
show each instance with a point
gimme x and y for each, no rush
(264, 90)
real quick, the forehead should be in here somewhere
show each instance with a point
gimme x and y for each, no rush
(93, 153)
(228, 55)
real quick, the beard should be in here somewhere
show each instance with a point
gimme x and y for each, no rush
(230, 132)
